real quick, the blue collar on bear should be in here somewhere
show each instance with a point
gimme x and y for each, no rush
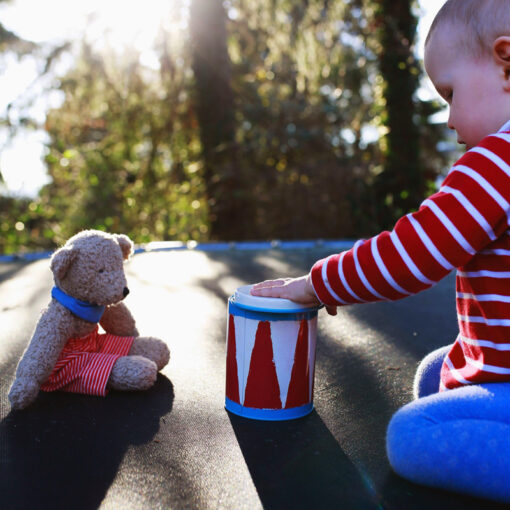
(84, 310)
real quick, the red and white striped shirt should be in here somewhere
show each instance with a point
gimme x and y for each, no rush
(85, 363)
(465, 225)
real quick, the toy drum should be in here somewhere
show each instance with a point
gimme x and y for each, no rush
(270, 357)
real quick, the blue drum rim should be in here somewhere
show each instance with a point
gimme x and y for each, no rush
(244, 299)
(268, 414)
(270, 314)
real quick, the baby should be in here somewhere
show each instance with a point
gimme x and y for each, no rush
(457, 440)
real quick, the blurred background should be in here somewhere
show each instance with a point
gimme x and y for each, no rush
(215, 120)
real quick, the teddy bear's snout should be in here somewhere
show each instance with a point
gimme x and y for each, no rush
(125, 291)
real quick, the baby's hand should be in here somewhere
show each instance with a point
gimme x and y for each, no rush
(299, 290)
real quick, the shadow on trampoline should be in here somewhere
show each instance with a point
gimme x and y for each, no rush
(68, 447)
(299, 464)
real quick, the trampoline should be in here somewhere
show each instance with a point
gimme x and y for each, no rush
(175, 446)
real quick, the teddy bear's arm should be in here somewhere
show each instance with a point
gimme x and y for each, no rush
(48, 340)
(118, 320)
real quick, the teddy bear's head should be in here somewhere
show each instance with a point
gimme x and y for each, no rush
(89, 267)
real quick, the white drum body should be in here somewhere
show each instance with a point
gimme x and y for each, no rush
(270, 357)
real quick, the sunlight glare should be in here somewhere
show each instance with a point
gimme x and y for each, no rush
(127, 23)
(132, 24)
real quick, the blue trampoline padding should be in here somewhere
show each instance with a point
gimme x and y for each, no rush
(268, 314)
(268, 414)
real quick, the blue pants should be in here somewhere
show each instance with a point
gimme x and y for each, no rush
(457, 440)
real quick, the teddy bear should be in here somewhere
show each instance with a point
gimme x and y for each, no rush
(67, 352)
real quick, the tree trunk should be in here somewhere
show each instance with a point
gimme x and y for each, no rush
(400, 187)
(215, 112)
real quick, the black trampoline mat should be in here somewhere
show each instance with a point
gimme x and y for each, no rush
(175, 446)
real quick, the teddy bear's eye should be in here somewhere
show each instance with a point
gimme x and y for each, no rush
(101, 271)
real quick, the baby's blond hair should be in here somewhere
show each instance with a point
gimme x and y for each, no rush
(484, 21)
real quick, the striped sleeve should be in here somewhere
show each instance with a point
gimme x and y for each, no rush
(470, 210)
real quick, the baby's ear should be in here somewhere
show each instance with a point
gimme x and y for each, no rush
(501, 48)
(126, 245)
(61, 261)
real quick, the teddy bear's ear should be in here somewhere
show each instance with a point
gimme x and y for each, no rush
(126, 245)
(61, 261)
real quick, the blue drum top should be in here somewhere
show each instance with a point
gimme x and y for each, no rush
(242, 300)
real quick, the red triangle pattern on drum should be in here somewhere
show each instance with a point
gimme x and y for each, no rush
(232, 385)
(299, 386)
(262, 388)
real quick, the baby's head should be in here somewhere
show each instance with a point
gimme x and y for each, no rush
(467, 57)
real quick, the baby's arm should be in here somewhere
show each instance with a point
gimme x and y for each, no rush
(450, 227)
(299, 290)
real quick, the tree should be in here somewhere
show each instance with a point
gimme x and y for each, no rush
(401, 186)
(264, 119)
(124, 153)
(224, 180)
(306, 91)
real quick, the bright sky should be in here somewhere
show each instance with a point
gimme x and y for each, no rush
(127, 22)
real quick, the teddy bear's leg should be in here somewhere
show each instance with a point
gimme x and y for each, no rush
(152, 348)
(133, 373)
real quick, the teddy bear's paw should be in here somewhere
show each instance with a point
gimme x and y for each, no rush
(23, 392)
(131, 373)
(152, 348)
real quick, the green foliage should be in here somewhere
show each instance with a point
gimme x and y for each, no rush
(18, 221)
(124, 155)
(307, 88)
(132, 150)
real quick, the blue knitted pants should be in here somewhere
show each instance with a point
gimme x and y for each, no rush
(458, 439)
